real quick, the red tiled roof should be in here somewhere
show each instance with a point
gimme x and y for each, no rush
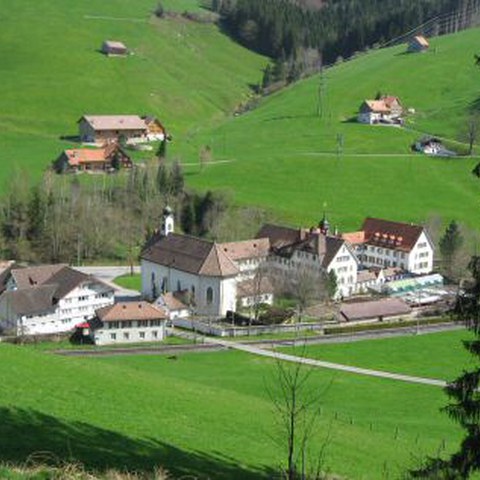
(354, 238)
(78, 156)
(401, 236)
(124, 311)
(377, 106)
(247, 248)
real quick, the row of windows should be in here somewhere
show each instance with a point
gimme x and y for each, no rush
(84, 298)
(139, 323)
(421, 265)
(126, 335)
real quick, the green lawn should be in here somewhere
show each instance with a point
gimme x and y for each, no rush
(206, 415)
(434, 355)
(132, 282)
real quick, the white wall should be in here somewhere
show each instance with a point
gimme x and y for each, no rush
(133, 334)
(224, 290)
(77, 306)
(420, 259)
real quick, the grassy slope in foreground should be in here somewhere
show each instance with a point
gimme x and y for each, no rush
(51, 72)
(204, 414)
(283, 155)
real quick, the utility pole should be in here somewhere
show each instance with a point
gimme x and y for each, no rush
(322, 92)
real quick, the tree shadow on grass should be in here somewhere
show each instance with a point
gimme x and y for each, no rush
(26, 434)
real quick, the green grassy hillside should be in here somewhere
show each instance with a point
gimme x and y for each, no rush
(186, 73)
(206, 414)
(283, 155)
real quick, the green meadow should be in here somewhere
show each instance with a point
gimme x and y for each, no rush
(434, 355)
(210, 415)
(184, 72)
(287, 158)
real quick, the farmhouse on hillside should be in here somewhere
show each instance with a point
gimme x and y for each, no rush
(384, 244)
(101, 129)
(50, 299)
(114, 48)
(110, 157)
(127, 322)
(418, 44)
(387, 110)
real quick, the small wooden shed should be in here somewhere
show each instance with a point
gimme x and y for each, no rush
(418, 44)
(113, 47)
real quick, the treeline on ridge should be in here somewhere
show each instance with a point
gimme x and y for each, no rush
(64, 220)
(304, 35)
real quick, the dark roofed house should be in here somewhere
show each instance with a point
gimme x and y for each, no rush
(129, 322)
(114, 48)
(50, 299)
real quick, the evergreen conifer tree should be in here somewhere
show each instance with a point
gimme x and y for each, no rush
(464, 392)
(450, 244)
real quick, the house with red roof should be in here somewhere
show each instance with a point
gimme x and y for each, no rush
(110, 157)
(128, 322)
(388, 244)
(387, 110)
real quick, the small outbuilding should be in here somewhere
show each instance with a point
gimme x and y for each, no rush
(386, 308)
(114, 48)
(418, 44)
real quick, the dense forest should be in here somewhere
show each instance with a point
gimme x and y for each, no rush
(304, 34)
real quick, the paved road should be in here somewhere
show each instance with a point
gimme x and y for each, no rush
(107, 274)
(322, 364)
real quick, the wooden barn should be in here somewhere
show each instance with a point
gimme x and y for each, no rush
(114, 48)
(418, 44)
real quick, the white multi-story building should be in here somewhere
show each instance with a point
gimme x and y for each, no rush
(312, 250)
(50, 299)
(128, 322)
(386, 244)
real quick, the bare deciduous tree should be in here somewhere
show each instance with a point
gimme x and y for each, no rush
(297, 407)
